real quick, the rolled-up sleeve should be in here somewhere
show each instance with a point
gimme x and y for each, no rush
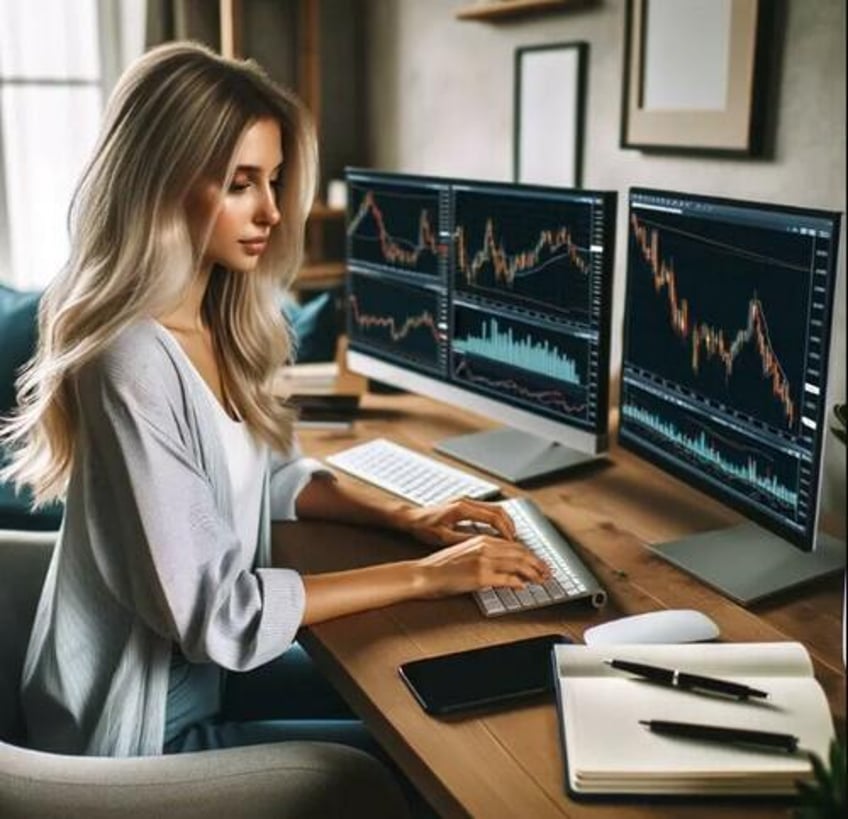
(289, 476)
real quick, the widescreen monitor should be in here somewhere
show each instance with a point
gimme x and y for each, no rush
(724, 376)
(493, 297)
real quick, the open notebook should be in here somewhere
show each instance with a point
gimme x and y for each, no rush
(607, 750)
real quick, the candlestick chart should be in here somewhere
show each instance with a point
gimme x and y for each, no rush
(531, 252)
(718, 310)
(403, 322)
(395, 227)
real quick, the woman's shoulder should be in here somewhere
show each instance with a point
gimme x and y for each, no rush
(138, 357)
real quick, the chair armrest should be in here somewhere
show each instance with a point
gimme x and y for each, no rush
(280, 780)
(27, 536)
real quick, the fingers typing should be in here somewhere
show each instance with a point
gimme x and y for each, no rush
(511, 559)
(488, 518)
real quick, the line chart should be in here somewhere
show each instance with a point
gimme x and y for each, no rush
(399, 320)
(553, 400)
(395, 228)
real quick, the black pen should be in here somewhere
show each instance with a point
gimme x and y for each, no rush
(717, 733)
(682, 679)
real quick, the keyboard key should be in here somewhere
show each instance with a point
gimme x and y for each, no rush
(556, 591)
(524, 597)
(491, 601)
(508, 598)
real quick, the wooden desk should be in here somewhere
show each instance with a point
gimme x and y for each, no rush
(509, 764)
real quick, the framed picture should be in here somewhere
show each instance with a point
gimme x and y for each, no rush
(550, 91)
(692, 74)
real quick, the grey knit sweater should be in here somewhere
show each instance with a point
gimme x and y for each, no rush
(148, 557)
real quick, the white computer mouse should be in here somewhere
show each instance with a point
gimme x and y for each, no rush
(666, 626)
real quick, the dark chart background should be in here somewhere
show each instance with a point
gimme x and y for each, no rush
(555, 275)
(734, 462)
(385, 227)
(719, 271)
(521, 377)
(398, 321)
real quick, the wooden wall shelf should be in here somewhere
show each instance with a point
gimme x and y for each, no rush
(322, 211)
(503, 9)
(320, 276)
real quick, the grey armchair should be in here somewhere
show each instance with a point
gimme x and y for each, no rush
(292, 779)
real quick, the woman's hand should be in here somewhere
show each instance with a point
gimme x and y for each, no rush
(477, 563)
(454, 522)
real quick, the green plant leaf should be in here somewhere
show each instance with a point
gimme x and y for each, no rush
(824, 797)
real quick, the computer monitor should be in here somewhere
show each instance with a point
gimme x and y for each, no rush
(493, 297)
(727, 323)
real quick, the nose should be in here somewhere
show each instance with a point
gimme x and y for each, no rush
(267, 213)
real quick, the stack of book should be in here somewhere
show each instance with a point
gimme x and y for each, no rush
(626, 733)
(325, 395)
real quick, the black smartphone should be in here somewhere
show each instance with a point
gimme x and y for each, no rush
(482, 677)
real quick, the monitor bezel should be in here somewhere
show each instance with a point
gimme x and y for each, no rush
(804, 541)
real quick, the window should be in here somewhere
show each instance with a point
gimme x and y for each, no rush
(58, 60)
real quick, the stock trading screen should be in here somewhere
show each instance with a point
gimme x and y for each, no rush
(402, 322)
(727, 322)
(394, 226)
(530, 299)
(529, 251)
(397, 294)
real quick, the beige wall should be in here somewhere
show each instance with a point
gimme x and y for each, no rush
(440, 102)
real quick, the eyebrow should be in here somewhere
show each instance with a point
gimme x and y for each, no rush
(257, 168)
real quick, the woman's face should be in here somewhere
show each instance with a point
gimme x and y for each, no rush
(243, 217)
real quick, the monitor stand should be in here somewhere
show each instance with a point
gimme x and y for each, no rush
(512, 455)
(748, 563)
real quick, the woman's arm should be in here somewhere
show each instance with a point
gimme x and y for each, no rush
(473, 564)
(326, 499)
(323, 499)
(467, 564)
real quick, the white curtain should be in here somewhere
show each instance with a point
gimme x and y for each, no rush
(58, 60)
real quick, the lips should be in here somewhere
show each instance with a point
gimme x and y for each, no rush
(254, 246)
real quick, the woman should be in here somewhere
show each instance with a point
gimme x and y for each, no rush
(148, 407)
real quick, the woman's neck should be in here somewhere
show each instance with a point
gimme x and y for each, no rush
(187, 316)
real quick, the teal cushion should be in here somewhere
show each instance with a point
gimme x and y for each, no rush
(18, 332)
(16, 512)
(315, 327)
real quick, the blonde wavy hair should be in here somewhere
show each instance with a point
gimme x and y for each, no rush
(174, 119)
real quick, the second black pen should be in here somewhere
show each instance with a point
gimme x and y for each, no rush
(718, 733)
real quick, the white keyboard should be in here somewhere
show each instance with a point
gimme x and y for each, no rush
(570, 579)
(410, 474)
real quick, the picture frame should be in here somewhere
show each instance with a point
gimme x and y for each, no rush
(693, 74)
(549, 111)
